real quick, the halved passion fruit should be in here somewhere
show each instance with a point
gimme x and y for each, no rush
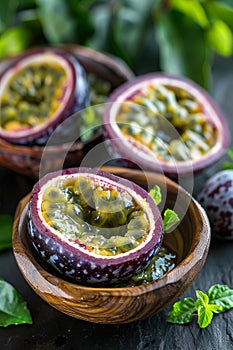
(93, 226)
(158, 121)
(37, 92)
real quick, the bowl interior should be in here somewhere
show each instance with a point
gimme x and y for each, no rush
(190, 241)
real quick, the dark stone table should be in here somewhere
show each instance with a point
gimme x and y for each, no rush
(54, 330)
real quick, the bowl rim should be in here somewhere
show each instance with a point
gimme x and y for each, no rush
(198, 249)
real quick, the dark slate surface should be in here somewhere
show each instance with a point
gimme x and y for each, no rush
(53, 330)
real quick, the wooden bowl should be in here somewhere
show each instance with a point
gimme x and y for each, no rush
(190, 241)
(26, 159)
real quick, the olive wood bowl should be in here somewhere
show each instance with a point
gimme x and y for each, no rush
(26, 159)
(190, 240)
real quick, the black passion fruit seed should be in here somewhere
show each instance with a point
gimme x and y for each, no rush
(93, 226)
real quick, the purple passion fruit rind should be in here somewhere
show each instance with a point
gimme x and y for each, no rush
(72, 258)
(201, 132)
(38, 91)
(216, 197)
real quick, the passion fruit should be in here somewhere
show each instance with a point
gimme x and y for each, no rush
(38, 91)
(92, 226)
(216, 197)
(158, 121)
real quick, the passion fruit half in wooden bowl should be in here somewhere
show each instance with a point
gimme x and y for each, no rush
(129, 269)
(165, 123)
(43, 87)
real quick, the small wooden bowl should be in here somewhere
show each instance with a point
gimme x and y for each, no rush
(26, 159)
(190, 241)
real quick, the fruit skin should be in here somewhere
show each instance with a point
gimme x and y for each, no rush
(217, 199)
(77, 100)
(134, 155)
(79, 265)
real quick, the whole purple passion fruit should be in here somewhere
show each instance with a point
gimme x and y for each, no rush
(217, 199)
(37, 92)
(92, 226)
(159, 121)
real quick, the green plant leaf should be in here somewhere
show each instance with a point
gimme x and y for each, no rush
(170, 218)
(182, 47)
(222, 296)
(228, 164)
(7, 11)
(156, 194)
(13, 41)
(221, 11)
(220, 38)
(130, 25)
(204, 309)
(205, 316)
(13, 309)
(56, 19)
(192, 9)
(182, 311)
(6, 223)
(219, 298)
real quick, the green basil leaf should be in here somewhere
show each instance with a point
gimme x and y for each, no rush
(182, 311)
(202, 299)
(170, 218)
(192, 9)
(156, 194)
(13, 309)
(6, 223)
(222, 296)
(220, 38)
(174, 33)
(205, 316)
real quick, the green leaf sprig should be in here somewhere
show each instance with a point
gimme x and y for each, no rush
(170, 217)
(13, 309)
(218, 299)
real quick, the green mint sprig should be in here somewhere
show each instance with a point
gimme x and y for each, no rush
(170, 217)
(218, 299)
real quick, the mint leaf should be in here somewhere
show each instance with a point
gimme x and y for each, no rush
(205, 316)
(13, 309)
(202, 299)
(170, 218)
(229, 164)
(182, 311)
(156, 194)
(219, 298)
(6, 223)
(222, 296)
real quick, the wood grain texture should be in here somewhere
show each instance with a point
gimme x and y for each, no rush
(26, 160)
(122, 305)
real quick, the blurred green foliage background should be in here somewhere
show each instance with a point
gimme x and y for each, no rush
(180, 37)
